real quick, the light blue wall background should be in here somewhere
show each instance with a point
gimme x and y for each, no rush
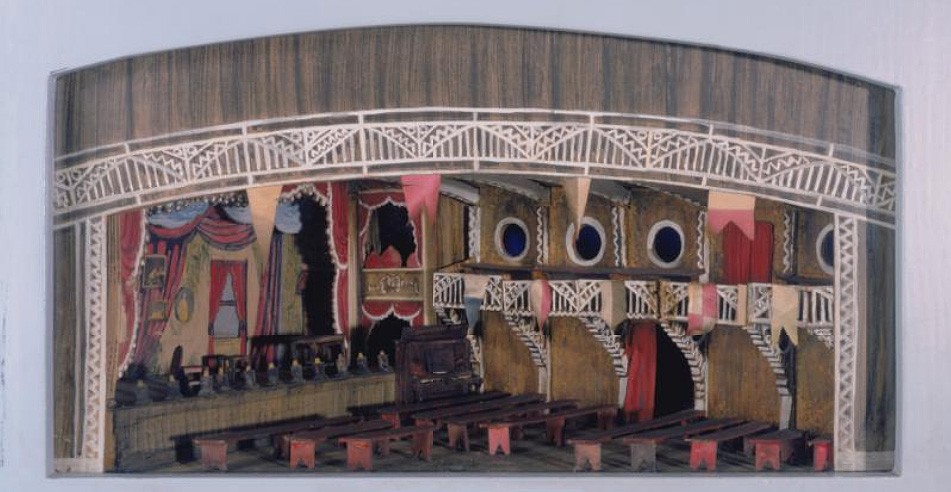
(904, 43)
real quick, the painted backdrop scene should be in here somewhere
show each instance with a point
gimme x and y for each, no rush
(475, 249)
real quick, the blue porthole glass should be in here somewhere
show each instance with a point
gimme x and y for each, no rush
(668, 245)
(514, 240)
(589, 242)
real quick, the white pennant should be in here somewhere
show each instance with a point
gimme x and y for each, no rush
(576, 192)
(263, 204)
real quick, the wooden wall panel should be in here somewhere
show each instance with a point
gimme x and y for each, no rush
(560, 217)
(508, 364)
(646, 209)
(810, 224)
(413, 66)
(741, 383)
(815, 385)
(580, 368)
(66, 379)
(879, 331)
(451, 239)
(498, 204)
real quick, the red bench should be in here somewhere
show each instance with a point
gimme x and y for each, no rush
(360, 446)
(775, 447)
(500, 434)
(588, 446)
(282, 440)
(704, 448)
(821, 453)
(396, 413)
(458, 427)
(436, 417)
(644, 445)
(214, 447)
(303, 445)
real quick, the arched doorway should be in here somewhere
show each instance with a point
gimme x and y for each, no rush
(313, 244)
(673, 384)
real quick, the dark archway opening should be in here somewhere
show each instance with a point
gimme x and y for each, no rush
(390, 227)
(313, 244)
(383, 336)
(674, 385)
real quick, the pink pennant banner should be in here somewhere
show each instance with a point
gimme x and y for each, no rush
(702, 308)
(723, 208)
(539, 298)
(419, 191)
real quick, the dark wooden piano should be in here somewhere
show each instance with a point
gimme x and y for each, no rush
(434, 362)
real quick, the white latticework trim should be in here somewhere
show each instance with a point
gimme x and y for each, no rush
(475, 232)
(789, 240)
(701, 240)
(620, 236)
(94, 387)
(846, 336)
(541, 235)
(515, 140)
(761, 334)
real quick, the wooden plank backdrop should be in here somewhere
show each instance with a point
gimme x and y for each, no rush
(463, 66)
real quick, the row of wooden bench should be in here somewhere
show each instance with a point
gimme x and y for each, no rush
(502, 416)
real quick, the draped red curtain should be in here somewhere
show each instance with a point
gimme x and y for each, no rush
(269, 299)
(130, 246)
(641, 350)
(340, 232)
(374, 311)
(761, 254)
(746, 260)
(220, 270)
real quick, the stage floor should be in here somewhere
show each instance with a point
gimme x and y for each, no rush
(529, 455)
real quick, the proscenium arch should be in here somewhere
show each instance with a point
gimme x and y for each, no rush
(499, 141)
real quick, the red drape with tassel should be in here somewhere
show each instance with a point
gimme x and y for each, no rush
(130, 244)
(220, 270)
(340, 232)
(641, 372)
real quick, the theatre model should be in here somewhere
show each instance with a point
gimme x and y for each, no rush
(454, 248)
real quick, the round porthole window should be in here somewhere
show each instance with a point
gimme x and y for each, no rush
(825, 249)
(588, 247)
(511, 239)
(665, 244)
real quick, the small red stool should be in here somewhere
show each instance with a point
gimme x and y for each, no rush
(821, 453)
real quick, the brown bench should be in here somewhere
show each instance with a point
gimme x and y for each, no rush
(500, 434)
(704, 448)
(303, 445)
(214, 447)
(436, 417)
(775, 447)
(457, 427)
(644, 444)
(395, 414)
(360, 446)
(821, 453)
(588, 446)
(282, 440)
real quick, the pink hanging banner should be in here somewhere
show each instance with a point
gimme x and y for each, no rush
(701, 307)
(421, 190)
(539, 298)
(723, 208)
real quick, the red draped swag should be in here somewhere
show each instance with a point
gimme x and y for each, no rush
(218, 231)
(340, 237)
(641, 350)
(748, 260)
(370, 201)
(269, 301)
(220, 271)
(411, 311)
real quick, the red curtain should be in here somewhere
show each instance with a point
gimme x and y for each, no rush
(340, 232)
(220, 270)
(374, 311)
(761, 259)
(270, 293)
(130, 246)
(746, 261)
(641, 350)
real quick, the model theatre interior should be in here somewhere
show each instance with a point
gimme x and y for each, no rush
(441, 239)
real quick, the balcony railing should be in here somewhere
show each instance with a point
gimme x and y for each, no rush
(645, 299)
